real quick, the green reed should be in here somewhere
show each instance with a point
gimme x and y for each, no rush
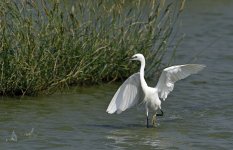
(50, 45)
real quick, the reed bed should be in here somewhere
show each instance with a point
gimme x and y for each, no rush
(51, 45)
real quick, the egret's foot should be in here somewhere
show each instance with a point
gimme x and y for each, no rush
(154, 119)
(161, 114)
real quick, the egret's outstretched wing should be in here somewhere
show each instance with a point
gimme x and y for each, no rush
(128, 95)
(172, 74)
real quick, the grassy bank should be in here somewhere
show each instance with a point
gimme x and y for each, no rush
(50, 45)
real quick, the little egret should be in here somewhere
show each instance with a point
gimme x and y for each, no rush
(135, 90)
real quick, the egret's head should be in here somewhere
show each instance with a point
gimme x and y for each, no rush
(139, 57)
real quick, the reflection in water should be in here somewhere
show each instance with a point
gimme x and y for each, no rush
(153, 143)
(173, 118)
(137, 138)
(120, 137)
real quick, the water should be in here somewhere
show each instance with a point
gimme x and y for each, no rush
(198, 113)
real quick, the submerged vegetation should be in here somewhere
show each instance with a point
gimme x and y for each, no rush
(49, 45)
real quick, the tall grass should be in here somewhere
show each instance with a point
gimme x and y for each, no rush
(50, 45)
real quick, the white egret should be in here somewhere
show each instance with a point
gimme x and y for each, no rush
(135, 90)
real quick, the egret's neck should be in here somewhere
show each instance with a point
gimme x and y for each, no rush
(142, 79)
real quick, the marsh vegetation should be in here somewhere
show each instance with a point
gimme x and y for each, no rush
(51, 45)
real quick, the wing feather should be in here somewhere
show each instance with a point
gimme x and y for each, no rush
(128, 95)
(174, 73)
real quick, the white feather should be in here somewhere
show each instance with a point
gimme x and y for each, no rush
(128, 95)
(172, 74)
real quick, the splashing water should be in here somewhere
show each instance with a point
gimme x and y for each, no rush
(30, 133)
(12, 138)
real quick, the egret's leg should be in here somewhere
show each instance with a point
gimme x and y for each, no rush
(147, 118)
(160, 114)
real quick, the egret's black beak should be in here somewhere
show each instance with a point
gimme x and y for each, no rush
(127, 59)
(133, 58)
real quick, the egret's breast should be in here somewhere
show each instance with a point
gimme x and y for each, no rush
(152, 99)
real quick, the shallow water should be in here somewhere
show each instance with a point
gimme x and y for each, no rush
(198, 113)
